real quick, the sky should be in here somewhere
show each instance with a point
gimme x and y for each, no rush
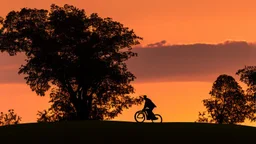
(183, 51)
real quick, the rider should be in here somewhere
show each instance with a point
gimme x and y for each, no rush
(149, 106)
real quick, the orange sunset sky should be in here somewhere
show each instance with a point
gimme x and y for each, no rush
(174, 72)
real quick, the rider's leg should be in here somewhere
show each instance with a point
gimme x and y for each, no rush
(149, 116)
(153, 115)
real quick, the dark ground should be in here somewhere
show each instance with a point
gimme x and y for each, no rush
(110, 132)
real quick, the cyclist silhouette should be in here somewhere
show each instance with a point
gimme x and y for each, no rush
(149, 106)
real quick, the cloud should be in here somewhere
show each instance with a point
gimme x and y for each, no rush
(163, 63)
(194, 62)
(9, 67)
(157, 44)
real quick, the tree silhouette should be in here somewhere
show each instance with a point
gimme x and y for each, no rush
(84, 56)
(228, 103)
(204, 117)
(9, 118)
(248, 76)
(62, 110)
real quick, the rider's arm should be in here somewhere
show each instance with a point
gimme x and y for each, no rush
(144, 107)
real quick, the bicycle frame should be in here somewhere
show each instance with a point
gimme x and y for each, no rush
(145, 112)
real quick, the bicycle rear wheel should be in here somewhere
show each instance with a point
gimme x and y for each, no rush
(139, 116)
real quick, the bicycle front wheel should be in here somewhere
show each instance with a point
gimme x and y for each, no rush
(159, 120)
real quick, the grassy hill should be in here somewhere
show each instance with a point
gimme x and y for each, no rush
(110, 132)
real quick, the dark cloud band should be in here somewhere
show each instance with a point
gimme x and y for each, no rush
(161, 63)
(195, 62)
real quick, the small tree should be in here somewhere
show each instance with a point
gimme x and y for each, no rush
(9, 118)
(228, 103)
(248, 76)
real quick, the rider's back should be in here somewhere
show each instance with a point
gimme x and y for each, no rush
(149, 103)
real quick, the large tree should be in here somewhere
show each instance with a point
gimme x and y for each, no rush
(228, 103)
(62, 110)
(83, 56)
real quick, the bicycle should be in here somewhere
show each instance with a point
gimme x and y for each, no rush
(144, 115)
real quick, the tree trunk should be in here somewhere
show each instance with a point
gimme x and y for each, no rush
(80, 107)
(221, 119)
(89, 105)
(82, 110)
(82, 104)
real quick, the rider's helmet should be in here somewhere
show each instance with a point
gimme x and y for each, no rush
(145, 96)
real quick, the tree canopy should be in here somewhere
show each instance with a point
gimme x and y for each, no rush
(248, 76)
(83, 56)
(228, 103)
